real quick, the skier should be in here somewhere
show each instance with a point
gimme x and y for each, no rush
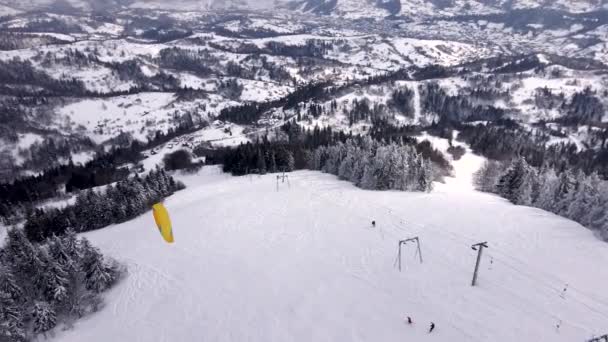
(374, 224)
(409, 320)
(432, 327)
(563, 294)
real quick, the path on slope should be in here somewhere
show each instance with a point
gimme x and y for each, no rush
(251, 263)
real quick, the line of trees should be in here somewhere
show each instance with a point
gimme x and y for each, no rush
(398, 163)
(374, 165)
(44, 285)
(107, 167)
(577, 196)
(507, 140)
(93, 210)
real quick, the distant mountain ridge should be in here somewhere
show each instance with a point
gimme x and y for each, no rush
(343, 8)
(363, 8)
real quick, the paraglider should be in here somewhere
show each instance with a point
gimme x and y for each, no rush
(161, 216)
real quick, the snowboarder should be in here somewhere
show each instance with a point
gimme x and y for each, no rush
(432, 327)
(409, 320)
(374, 224)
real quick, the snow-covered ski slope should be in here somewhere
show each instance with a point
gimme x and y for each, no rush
(251, 263)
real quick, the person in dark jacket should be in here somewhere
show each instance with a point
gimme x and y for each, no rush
(373, 223)
(409, 320)
(432, 327)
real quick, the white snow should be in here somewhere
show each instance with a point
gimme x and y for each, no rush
(251, 263)
(105, 118)
(6, 11)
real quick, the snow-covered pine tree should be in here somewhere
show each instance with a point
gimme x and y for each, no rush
(380, 165)
(261, 162)
(316, 162)
(272, 165)
(585, 199)
(21, 254)
(412, 170)
(567, 184)
(53, 280)
(135, 196)
(291, 162)
(332, 163)
(598, 215)
(8, 283)
(394, 169)
(548, 190)
(71, 244)
(44, 316)
(11, 320)
(486, 178)
(163, 184)
(98, 275)
(510, 183)
(58, 252)
(425, 179)
(528, 191)
(345, 169)
(361, 159)
(368, 181)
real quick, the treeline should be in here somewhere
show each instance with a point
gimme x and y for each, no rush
(66, 178)
(197, 62)
(584, 108)
(250, 113)
(577, 196)
(16, 41)
(374, 165)
(506, 140)
(106, 167)
(396, 163)
(52, 151)
(403, 101)
(44, 285)
(265, 156)
(22, 73)
(130, 70)
(93, 210)
(455, 108)
(312, 48)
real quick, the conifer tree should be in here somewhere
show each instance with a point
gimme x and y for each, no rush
(44, 316)
(291, 162)
(272, 168)
(261, 162)
(98, 276)
(510, 184)
(486, 178)
(11, 319)
(585, 200)
(8, 284)
(548, 190)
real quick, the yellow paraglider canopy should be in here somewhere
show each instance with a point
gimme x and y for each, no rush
(161, 216)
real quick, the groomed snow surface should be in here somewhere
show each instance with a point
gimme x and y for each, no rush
(251, 263)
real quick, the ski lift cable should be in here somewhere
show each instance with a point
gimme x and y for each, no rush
(466, 240)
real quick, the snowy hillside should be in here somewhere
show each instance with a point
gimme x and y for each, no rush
(431, 8)
(304, 264)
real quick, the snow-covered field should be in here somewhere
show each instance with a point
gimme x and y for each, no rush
(251, 263)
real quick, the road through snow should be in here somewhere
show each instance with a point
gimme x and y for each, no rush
(251, 263)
